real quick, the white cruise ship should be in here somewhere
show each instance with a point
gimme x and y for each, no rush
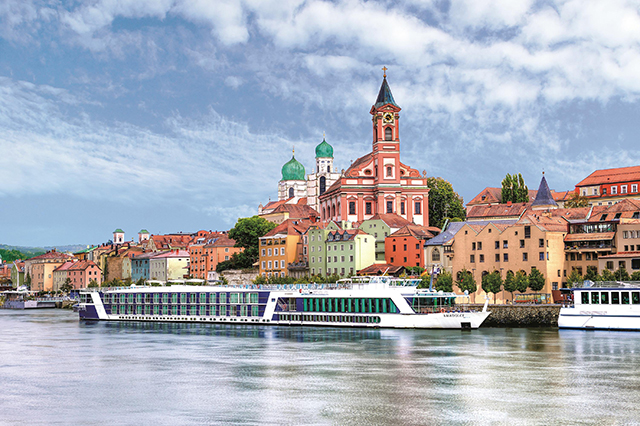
(376, 302)
(603, 306)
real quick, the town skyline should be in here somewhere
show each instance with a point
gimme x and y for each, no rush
(178, 117)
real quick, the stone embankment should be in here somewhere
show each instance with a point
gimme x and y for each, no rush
(522, 315)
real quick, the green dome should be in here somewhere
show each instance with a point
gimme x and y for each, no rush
(324, 150)
(293, 170)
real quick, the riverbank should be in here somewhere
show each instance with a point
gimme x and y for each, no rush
(522, 315)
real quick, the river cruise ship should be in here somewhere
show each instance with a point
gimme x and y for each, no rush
(374, 302)
(603, 306)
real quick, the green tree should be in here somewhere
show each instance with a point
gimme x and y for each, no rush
(621, 274)
(140, 281)
(492, 283)
(635, 276)
(514, 189)
(444, 282)
(607, 275)
(66, 287)
(574, 277)
(444, 202)
(510, 283)
(466, 282)
(576, 200)
(522, 281)
(536, 280)
(592, 273)
(92, 283)
(246, 233)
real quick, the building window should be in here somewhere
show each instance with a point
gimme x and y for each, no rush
(389, 206)
(472, 258)
(352, 207)
(634, 187)
(367, 207)
(623, 189)
(497, 257)
(482, 258)
(479, 245)
(402, 208)
(473, 246)
(388, 134)
(505, 257)
(323, 185)
(505, 244)
(541, 242)
(525, 257)
(269, 252)
(541, 255)
(435, 255)
(614, 190)
(609, 265)
(291, 192)
(497, 245)
(417, 209)
(281, 251)
(527, 231)
(389, 171)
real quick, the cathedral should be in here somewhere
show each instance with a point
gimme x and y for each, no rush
(296, 187)
(376, 183)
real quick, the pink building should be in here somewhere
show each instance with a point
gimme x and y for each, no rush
(83, 272)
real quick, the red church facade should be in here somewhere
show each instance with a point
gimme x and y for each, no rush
(378, 182)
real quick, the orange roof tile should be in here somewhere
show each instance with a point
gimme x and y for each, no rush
(617, 175)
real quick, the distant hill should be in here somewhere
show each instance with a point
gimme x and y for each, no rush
(11, 253)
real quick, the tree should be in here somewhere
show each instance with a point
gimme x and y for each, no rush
(514, 189)
(574, 277)
(607, 275)
(492, 283)
(92, 283)
(27, 281)
(466, 282)
(522, 281)
(444, 202)
(66, 287)
(622, 274)
(576, 200)
(635, 276)
(444, 282)
(592, 273)
(536, 280)
(510, 283)
(246, 233)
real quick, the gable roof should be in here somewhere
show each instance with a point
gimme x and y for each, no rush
(617, 175)
(392, 220)
(418, 232)
(296, 211)
(497, 210)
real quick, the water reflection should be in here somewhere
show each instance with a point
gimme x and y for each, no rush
(182, 373)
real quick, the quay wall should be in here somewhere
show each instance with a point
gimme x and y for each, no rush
(522, 315)
(239, 277)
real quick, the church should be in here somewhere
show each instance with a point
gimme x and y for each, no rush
(376, 183)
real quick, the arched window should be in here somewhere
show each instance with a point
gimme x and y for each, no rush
(328, 169)
(435, 255)
(389, 171)
(323, 185)
(291, 192)
(388, 133)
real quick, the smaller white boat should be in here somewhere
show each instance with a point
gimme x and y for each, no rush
(603, 306)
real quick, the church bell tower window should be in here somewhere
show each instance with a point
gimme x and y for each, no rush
(388, 133)
(291, 192)
(323, 185)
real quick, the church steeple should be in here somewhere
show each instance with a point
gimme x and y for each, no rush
(544, 199)
(385, 113)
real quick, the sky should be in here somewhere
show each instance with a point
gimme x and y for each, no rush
(175, 115)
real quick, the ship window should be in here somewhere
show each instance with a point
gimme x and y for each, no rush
(585, 297)
(635, 297)
(223, 311)
(625, 297)
(255, 311)
(595, 297)
(604, 297)
(212, 310)
(615, 298)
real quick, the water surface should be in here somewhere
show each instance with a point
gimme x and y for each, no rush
(57, 370)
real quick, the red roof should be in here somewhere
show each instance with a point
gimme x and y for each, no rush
(82, 265)
(296, 211)
(381, 268)
(52, 255)
(606, 176)
(392, 220)
(417, 231)
(494, 196)
(497, 210)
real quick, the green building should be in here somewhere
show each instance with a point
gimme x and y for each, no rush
(380, 227)
(334, 250)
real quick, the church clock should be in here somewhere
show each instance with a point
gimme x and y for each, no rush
(387, 118)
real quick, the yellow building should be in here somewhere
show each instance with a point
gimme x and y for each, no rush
(280, 247)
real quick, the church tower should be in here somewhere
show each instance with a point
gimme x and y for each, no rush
(325, 174)
(293, 183)
(386, 135)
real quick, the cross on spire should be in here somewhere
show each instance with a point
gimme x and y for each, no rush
(384, 70)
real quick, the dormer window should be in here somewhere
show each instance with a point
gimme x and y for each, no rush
(603, 217)
(388, 134)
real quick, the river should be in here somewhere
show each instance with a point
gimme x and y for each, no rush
(55, 369)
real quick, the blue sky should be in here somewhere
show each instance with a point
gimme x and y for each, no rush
(176, 115)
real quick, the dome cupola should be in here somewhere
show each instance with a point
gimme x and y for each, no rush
(293, 170)
(324, 150)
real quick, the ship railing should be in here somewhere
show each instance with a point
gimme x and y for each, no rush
(443, 309)
(606, 284)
